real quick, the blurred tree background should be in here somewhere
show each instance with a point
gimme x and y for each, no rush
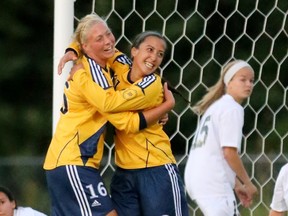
(26, 56)
(26, 44)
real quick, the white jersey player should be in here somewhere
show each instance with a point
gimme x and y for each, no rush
(214, 168)
(279, 203)
(9, 207)
(27, 211)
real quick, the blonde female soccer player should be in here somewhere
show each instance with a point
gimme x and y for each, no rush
(214, 167)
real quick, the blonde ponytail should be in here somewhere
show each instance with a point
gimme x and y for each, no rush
(213, 93)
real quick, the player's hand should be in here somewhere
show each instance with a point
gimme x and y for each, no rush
(68, 56)
(251, 190)
(74, 69)
(164, 119)
(242, 195)
(168, 95)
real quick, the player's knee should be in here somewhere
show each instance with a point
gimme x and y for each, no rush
(112, 213)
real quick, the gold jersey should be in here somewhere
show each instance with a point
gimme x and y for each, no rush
(79, 135)
(148, 147)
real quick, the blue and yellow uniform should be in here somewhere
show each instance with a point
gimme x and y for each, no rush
(148, 147)
(83, 120)
(76, 149)
(147, 180)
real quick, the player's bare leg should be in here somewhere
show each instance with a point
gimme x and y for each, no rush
(112, 213)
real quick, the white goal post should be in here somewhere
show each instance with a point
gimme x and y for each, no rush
(63, 30)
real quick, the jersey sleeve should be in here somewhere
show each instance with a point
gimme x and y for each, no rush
(135, 97)
(280, 194)
(230, 128)
(119, 63)
(125, 121)
(74, 46)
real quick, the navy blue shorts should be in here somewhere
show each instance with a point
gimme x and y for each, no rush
(77, 191)
(154, 191)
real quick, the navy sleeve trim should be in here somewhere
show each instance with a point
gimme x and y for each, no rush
(70, 49)
(143, 123)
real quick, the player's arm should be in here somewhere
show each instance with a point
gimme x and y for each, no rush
(135, 97)
(135, 121)
(153, 116)
(279, 199)
(276, 213)
(71, 54)
(241, 193)
(132, 122)
(233, 159)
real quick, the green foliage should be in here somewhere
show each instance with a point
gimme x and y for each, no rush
(26, 34)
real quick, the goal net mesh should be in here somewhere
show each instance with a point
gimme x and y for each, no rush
(202, 36)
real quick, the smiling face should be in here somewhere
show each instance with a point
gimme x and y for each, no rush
(147, 57)
(100, 43)
(241, 85)
(6, 206)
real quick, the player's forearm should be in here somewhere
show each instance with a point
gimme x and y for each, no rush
(152, 116)
(275, 213)
(238, 183)
(236, 164)
(74, 47)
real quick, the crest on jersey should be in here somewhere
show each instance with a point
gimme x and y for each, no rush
(129, 94)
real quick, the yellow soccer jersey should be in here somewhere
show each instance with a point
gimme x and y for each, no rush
(148, 147)
(79, 138)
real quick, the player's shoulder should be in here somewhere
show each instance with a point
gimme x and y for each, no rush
(119, 63)
(152, 82)
(23, 211)
(226, 106)
(284, 169)
(151, 78)
(229, 102)
(120, 58)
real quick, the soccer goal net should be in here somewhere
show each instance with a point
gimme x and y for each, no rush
(202, 36)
